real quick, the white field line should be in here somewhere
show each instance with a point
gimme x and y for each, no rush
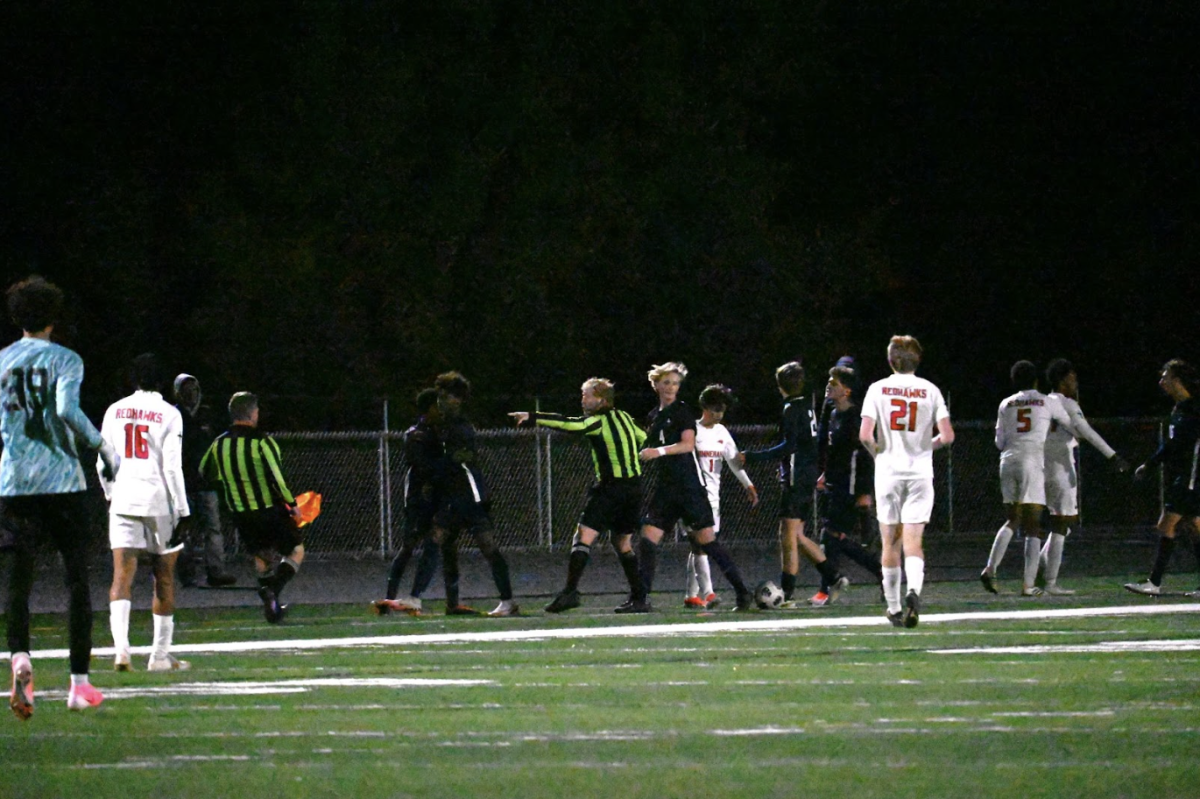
(780, 623)
(1181, 645)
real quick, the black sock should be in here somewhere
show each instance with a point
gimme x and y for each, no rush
(1162, 558)
(500, 574)
(832, 544)
(859, 554)
(788, 583)
(629, 564)
(396, 571)
(720, 555)
(829, 574)
(284, 573)
(647, 563)
(580, 555)
(426, 567)
(450, 572)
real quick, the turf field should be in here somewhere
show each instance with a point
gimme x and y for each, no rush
(1094, 695)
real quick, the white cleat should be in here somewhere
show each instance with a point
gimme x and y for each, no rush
(506, 608)
(1147, 588)
(1031, 590)
(167, 663)
(21, 701)
(122, 661)
(1054, 589)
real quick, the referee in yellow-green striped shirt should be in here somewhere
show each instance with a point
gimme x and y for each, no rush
(247, 464)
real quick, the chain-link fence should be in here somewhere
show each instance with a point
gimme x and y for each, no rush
(539, 481)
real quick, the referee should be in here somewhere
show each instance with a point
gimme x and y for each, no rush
(247, 464)
(614, 501)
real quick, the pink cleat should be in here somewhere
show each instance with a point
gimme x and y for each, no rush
(83, 696)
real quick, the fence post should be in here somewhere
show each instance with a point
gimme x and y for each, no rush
(549, 495)
(537, 452)
(385, 488)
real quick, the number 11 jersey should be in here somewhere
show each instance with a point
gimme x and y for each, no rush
(906, 410)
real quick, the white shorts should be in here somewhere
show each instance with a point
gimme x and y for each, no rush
(1062, 486)
(1023, 480)
(151, 533)
(903, 500)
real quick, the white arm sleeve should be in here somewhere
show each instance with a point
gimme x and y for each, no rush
(730, 456)
(1083, 430)
(172, 455)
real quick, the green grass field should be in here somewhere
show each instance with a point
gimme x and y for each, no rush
(338, 702)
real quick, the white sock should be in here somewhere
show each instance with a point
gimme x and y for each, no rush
(1054, 553)
(1033, 551)
(999, 547)
(914, 572)
(79, 679)
(703, 575)
(118, 622)
(164, 631)
(693, 585)
(891, 588)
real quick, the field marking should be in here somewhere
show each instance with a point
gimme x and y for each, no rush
(777, 624)
(1181, 645)
(261, 687)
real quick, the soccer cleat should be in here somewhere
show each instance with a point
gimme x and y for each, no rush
(506, 608)
(272, 610)
(1147, 588)
(790, 604)
(21, 701)
(839, 585)
(167, 663)
(1192, 594)
(819, 599)
(218, 579)
(564, 601)
(897, 618)
(989, 582)
(1054, 589)
(1032, 590)
(711, 601)
(82, 697)
(122, 661)
(912, 609)
(693, 602)
(462, 610)
(382, 607)
(744, 603)
(633, 606)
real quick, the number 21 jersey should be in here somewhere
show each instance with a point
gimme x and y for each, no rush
(906, 410)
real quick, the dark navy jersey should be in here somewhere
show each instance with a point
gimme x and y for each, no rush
(666, 426)
(1179, 452)
(848, 467)
(422, 451)
(457, 475)
(797, 452)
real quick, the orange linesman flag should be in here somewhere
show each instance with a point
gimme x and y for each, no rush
(309, 505)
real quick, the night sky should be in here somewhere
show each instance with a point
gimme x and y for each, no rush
(329, 203)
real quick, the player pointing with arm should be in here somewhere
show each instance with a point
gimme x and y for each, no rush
(899, 416)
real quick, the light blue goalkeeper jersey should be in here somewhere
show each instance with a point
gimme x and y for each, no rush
(40, 419)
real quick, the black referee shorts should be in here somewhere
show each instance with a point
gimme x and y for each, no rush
(614, 506)
(669, 503)
(272, 528)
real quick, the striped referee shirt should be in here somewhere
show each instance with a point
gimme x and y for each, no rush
(247, 464)
(615, 438)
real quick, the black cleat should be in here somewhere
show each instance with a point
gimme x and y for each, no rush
(633, 606)
(745, 602)
(897, 618)
(272, 610)
(564, 601)
(462, 610)
(912, 609)
(989, 582)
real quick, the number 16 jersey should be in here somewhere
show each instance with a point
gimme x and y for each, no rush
(906, 410)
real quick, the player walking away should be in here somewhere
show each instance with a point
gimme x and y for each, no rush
(463, 499)
(797, 455)
(1022, 423)
(42, 482)
(422, 450)
(1179, 455)
(614, 500)
(248, 465)
(714, 447)
(1062, 474)
(206, 543)
(679, 494)
(845, 484)
(146, 505)
(899, 415)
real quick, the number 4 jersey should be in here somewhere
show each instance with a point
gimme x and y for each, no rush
(906, 409)
(147, 433)
(40, 419)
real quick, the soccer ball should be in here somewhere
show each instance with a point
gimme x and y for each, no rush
(768, 596)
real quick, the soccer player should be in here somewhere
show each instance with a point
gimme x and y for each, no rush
(899, 416)
(1179, 455)
(845, 483)
(147, 502)
(463, 499)
(614, 500)
(248, 465)
(207, 544)
(1022, 423)
(1062, 476)
(42, 482)
(422, 449)
(797, 455)
(678, 495)
(714, 447)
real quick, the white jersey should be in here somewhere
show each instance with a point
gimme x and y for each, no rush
(906, 410)
(1023, 422)
(147, 433)
(1061, 440)
(715, 446)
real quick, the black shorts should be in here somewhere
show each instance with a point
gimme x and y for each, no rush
(669, 503)
(795, 502)
(1179, 499)
(25, 520)
(463, 513)
(273, 528)
(839, 512)
(614, 507)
